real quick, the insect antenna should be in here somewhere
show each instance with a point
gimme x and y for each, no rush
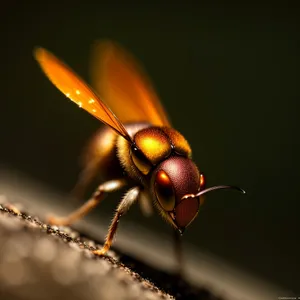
(210, 189)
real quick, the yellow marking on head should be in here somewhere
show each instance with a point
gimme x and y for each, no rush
(153, 143)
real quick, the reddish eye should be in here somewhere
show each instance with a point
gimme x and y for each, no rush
(164, 191)
(202, 187)
(202, 182)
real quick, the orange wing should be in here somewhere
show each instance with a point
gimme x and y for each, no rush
(123, 85)
(77, 90)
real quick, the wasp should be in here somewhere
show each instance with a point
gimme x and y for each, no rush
(138, 148)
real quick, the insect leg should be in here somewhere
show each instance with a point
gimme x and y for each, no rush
(178, 251)
(84, 178)
(107, 187)
(129, 198)
(145, 204)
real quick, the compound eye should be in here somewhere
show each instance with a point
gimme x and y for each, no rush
(202, 187)
(164, 191)
(140, 161)
(202, 182)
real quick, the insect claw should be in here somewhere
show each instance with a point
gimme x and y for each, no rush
(181, 230)
(100, 252)
(52, 220)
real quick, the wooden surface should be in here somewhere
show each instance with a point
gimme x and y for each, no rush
(144, 261)
(39, 261)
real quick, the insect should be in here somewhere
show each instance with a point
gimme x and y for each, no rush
(138, 148)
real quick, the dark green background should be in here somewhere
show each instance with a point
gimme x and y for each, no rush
(228, 77)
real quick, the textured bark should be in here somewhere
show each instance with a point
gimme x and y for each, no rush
(39, 261)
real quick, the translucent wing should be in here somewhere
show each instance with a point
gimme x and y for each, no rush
(77, 90)
(123, 85)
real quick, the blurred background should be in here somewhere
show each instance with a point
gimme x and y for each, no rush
(227, 76)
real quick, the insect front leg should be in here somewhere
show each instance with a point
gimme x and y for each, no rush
(145, 204)
(130, 197)
(178, 251)
(97, 197)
